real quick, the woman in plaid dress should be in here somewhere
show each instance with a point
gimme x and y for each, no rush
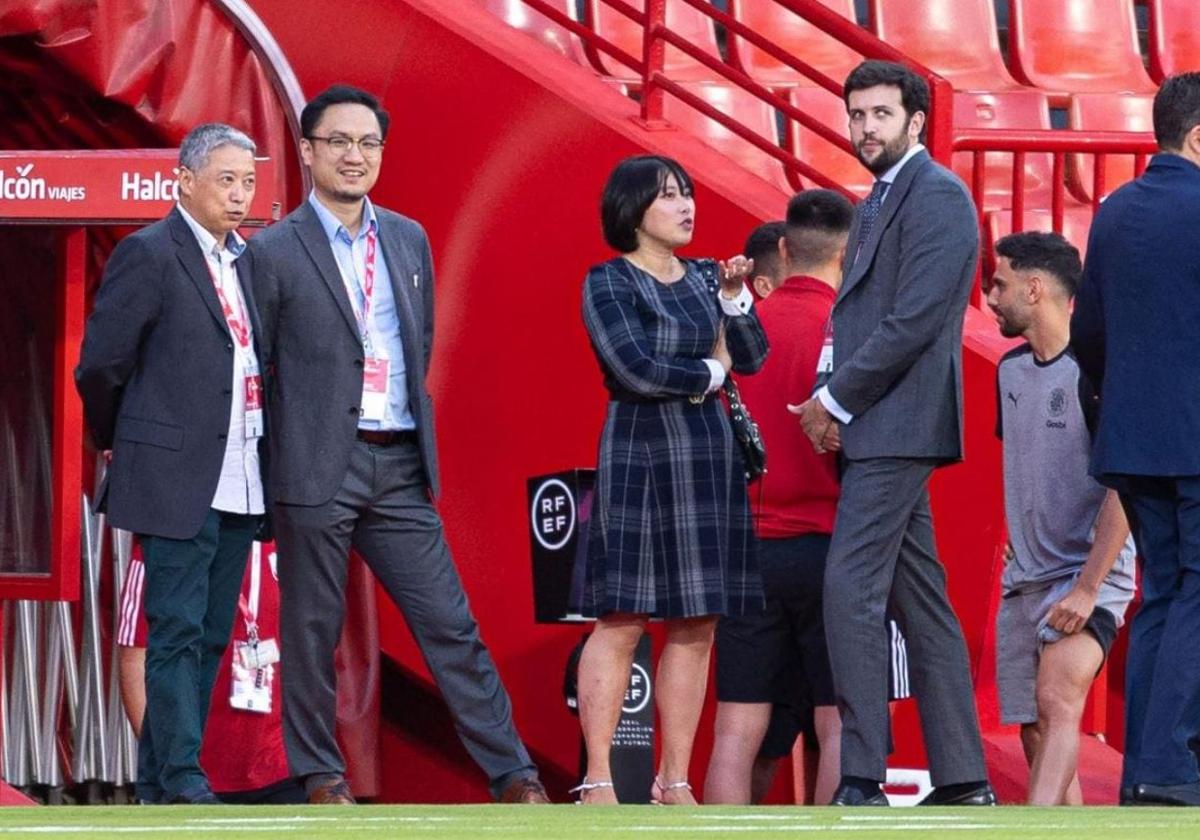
(670, 534)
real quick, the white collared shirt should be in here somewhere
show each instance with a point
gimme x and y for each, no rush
(831, 405)
(239, 489)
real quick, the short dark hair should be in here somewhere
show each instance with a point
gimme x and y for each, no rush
(340, 95)
(818, 222)
(1034, 250)
(762, 246)
(914, 91)
(1176, 110)
(631, 188)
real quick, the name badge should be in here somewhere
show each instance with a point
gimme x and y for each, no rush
(375, 388)
(253, 675)
(825, 360)
(252, 389)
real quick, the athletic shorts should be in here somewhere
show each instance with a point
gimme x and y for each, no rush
(132, 629)
(780, 655)
(1021, 632)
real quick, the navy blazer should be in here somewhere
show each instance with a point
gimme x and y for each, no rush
(155, 375)
(1136, 327)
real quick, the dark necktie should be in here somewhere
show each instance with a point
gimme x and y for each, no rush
(870, 213)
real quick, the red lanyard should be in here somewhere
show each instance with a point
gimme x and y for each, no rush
(368, 286)
(239, 324)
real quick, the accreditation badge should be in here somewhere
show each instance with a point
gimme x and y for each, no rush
(253, 391)
(375, 388)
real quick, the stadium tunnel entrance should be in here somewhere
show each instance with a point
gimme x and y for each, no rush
(94, 100)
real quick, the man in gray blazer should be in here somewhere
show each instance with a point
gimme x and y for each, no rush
(169, 378)
(347, 310)
(894, 406)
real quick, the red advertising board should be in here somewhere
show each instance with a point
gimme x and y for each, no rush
(124, 185)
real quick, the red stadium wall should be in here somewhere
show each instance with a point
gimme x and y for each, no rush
(500, 149)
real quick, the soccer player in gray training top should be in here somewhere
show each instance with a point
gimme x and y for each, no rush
(1068, 575)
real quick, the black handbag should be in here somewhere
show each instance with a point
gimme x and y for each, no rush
(745, 430)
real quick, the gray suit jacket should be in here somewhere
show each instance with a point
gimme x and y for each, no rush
(314, 355)
(898, 319)
(155, 375)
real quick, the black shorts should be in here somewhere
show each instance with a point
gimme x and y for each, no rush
(780, 655)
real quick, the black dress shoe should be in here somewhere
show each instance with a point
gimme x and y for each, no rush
(1185, 794)
(847, 795)
(981, 794)
(1126, 797)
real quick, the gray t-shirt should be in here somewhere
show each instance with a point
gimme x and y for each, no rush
(1045, 416)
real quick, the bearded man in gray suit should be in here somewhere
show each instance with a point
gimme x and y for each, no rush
(347, 315)
(893, 405)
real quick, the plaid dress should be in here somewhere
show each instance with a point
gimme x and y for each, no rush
(670, 531)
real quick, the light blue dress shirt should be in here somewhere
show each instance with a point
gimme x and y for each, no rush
(351, 256)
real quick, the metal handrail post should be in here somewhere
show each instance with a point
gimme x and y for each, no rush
(654, 52)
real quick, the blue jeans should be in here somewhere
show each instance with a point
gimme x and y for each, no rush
(191, 591)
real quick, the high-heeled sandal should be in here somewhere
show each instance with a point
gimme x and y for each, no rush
(661, 788)
(587, 786)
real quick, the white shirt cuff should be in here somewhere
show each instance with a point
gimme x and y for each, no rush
(831, 405)
(740, 305)
(716, 372)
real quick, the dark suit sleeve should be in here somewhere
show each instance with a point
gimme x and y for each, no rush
(127, 305)
(427, 297)
(1087, 326)
(940, 238)
(266, 299)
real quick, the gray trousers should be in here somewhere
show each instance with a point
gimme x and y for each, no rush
(383, 510)
(883, 553)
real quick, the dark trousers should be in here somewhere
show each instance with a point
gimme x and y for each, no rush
(1162, 672)
(883, 552)
(190, 593)
(383, 510)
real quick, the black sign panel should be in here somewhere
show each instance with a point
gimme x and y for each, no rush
(560, 507)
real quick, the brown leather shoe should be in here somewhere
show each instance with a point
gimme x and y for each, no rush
(331, 793)
(526, 790)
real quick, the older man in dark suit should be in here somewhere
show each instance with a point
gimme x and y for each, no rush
(169, 377)
(1136, 335)
(346, 296)
(894, 406)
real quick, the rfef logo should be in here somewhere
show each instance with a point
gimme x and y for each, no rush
(553, 514)
(637, 695)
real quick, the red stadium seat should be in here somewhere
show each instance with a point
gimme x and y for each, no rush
(1077, 46)
(743, 108)
(1106, 112)
(794, 34)
(520, 16)
(840, 166)
(1077, 222)
(1174, 37)
(1027, 109)
(956, 39)
(684, 20)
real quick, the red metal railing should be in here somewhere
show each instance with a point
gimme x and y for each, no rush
(655, 83)
(942, 138)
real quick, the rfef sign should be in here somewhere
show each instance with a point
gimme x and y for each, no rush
(560, 507)
(122, 185)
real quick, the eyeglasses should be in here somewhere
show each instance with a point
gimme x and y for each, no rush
(340, 144)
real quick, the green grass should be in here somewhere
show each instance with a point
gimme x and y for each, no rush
(500, 822)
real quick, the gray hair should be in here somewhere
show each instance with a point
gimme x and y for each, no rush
(202, 140)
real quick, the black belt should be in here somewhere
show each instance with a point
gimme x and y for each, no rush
(379, 438)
